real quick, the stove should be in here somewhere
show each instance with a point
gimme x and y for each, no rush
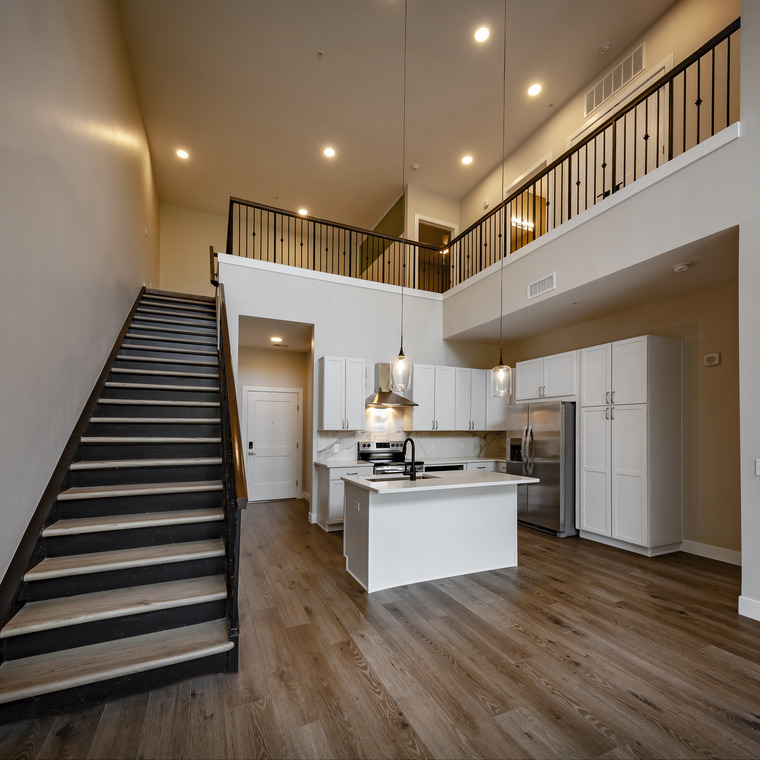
(386, 456)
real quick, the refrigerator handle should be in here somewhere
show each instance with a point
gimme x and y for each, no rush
(529, 448)
(524, 451)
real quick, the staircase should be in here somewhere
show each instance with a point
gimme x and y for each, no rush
(127, 588)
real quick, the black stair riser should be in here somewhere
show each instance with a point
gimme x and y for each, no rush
(160, 394)
(154, 349)
(106, 408)
(87, 543)
(164, 365)
(137, 683)
(155, 429)
(159, 312)
(70, 636)
(135, 576)
(176, 309)
(163, 474)
(98, 451)
(134, 505)
(170, 334)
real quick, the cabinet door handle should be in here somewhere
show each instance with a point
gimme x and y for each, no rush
(613, 397)
(612, 413)
(607, 397)
(607, 413)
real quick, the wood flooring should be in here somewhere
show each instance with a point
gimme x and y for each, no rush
(583, 651)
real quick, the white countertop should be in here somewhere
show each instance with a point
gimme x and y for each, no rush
(438, 481)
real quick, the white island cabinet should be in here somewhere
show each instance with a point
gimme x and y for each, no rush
(397, 532)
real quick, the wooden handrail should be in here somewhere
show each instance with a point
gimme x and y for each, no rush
(238, 459)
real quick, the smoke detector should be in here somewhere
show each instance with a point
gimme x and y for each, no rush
(681, 267)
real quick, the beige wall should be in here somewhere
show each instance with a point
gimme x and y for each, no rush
(79, 221)
(706, 321)
(186, 235)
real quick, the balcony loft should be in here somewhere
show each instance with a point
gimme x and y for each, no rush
(693, 101)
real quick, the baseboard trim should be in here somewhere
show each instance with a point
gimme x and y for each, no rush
(749, 607)
(712, 552)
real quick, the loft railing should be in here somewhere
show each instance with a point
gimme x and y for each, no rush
(271, 234)
(693, 101)
(233, 471)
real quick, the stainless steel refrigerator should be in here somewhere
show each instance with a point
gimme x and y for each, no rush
(541, 443)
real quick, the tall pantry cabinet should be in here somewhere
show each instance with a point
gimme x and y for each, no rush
(630, 444)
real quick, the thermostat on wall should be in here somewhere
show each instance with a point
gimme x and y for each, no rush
(712, 359)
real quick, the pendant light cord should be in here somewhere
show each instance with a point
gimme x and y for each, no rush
(501, 200)
(403, 184)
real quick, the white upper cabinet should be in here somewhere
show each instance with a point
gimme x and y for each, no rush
(470, 401)
(548, 377)
(342, 394)
(614, 373)
(434, 391)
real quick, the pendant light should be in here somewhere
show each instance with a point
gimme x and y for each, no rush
(501, 374)
(401, 367)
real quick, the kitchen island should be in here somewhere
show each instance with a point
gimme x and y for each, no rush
(397, 531)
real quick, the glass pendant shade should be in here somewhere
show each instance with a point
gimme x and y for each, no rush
(401, 371)
(501, 380)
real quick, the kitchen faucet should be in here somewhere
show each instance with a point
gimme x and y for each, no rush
(413, 472)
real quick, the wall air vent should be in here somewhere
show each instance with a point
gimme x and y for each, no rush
(615, 80)
(541, 286)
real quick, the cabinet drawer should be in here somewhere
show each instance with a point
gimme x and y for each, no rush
(336, 473)
(482, 466)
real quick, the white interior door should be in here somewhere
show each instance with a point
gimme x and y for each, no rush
(273, 443)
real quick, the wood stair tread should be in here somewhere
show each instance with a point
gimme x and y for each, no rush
(108, 464)
(104, 523)
(174, 330)
(164, 373)
(54, 613)
(120, 559)
(161, 296)
(176, 321)
(187, 341)
(138, 489)
(158, 420)
(55, 671)
(154, 386)
(114, 439)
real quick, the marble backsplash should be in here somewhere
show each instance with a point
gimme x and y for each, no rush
(338, 445)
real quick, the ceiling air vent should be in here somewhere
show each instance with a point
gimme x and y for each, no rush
(541, 286)
(617, 78)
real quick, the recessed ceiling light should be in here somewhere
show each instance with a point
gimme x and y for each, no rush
(482, 34)
(183, 153)
(329, 152)
(302, 211)
(466, 160)
(534, 89)
(276, 339)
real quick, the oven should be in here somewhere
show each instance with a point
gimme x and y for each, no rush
(385, 456)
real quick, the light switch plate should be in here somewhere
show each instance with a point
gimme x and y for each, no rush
(757, 467)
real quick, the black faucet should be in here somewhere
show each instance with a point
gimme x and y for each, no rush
(413, 471)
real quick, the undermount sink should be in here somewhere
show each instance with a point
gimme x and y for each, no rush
(389, 478)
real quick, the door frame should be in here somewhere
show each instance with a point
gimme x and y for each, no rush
(299, 424)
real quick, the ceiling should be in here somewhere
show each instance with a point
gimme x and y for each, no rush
(255, 90)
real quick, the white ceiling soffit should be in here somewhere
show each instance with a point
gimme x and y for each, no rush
(242, 86)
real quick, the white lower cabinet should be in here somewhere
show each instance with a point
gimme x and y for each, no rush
(630, 453)
(330, 493)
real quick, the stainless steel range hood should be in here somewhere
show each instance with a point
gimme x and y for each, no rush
(383, 396)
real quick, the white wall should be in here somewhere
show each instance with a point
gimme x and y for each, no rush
(79, 221)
